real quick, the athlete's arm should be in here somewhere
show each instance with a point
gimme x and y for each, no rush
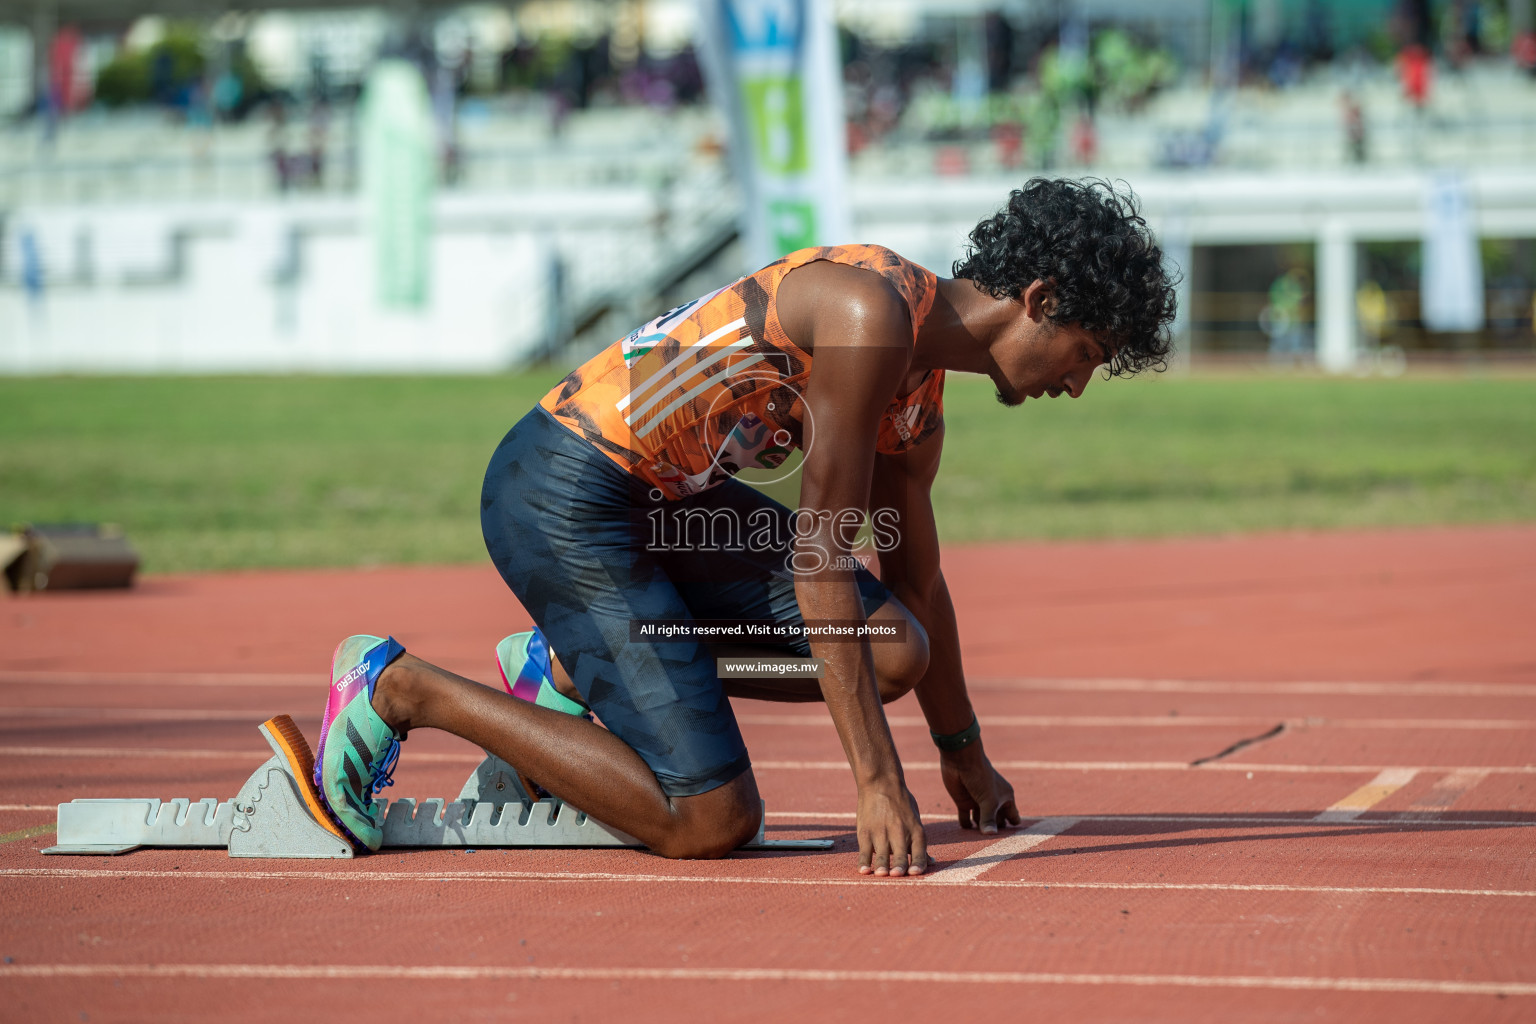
(910, 570)
(859, 332)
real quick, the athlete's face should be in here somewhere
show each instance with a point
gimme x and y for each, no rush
(1036, 357)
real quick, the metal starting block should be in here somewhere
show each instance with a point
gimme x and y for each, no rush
(277, 814)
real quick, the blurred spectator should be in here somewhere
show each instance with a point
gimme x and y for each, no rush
(446, 80)
(1373, 310)
(1286, 68)
(228, 94)
(1085, 141)
(199, 105)
(1414, 70)
(1354, 128)
(64, 96)
(31, 268)
(278, 154)
(952, 161)
(319, 76)
(1008, 136)
(200, 120)
(1523, 49)
(1414, 22)
(1506, 303)
(1281, 318)
(1461, 31)
(319, 128)
(1196, 149)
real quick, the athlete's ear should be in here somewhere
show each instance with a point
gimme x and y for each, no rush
(1039, 299)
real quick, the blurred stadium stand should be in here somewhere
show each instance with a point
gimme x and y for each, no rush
(583, 187)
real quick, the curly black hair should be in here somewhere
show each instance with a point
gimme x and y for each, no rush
(1089, 240)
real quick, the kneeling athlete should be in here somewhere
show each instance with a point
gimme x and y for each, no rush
(589, 500)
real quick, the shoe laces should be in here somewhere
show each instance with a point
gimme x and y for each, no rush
(383, 769)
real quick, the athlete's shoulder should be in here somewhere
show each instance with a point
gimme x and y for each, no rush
(914, 283)
(838, 289)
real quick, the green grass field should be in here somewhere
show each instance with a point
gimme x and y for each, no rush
(220, 473)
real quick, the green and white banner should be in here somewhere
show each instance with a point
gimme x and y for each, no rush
(399, 156)
(774, 69)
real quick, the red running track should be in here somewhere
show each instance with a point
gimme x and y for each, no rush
(1373, 860)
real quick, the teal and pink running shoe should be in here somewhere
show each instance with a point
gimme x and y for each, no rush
(358, 750)
(527, 673)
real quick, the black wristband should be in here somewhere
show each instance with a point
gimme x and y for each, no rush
(958, 740)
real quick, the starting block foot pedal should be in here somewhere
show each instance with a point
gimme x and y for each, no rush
(278, 814)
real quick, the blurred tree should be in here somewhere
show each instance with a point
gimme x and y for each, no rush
(124, 79)
(1128, 72)
(164, 72)
(172, 70)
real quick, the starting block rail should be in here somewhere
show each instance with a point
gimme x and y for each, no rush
(275, 815)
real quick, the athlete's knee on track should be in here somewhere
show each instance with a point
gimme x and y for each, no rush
(711, 825)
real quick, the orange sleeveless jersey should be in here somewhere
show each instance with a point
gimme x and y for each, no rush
(714, 385)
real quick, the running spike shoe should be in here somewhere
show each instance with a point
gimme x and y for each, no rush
(358, 750)
(527, 673)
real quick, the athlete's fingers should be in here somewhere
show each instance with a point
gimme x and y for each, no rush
(988, 816)
(899, 850)
(919, 853)
(866, 851)
(967, 809)
(882, 853)
(1010, 812)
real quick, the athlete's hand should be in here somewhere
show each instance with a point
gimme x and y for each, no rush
(982, 796)
(891, 840)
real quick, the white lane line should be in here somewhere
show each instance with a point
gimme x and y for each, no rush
(202, 755)
(1155, 766)
(203, 679)
(455, 972)
(140, 714)
(1494, 724)
(974, 865)
(1044, 766)
(1443, 794)
(1374, 890)
(1405, 689)
(365, 875)
(189, 753)
(1387, 782)
(842, 817)
(1068, 721)
(1173, 721)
